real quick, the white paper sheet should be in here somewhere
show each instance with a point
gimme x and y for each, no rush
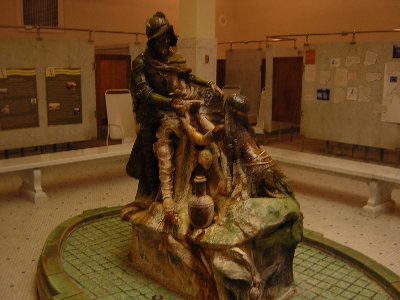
(351, 93)
(334, 62)
(370, 58)
(352, 76)
(309, 73)
(340, 77)
(369, 77)
(352, 60)
(339, 95)
(308, 93)
(324, 77)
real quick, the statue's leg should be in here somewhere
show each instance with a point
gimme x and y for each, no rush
(148, 139)
(150, 183)
(164, 150)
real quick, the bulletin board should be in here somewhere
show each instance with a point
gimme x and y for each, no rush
(18, 99)
(64, 100)
(345, 94)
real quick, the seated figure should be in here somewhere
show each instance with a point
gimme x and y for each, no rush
(256, 172)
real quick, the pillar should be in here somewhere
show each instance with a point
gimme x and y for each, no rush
(197, 41)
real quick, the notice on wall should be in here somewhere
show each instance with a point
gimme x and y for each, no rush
(310, 57)
(352, 60)
(324, 77)
(370, 58)
(352, 76)
(339, 94)
(391, 92)
(323, 94)
(373, 76)
(334, 62)
(64, 100)
(351, 93)
(308, 93)
(364, 93)
(18, 99)
(340, 77)
(309, 73)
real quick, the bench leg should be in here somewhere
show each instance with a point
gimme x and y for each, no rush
(32, 186)
(380, 200)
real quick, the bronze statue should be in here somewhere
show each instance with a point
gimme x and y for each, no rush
(214, 217)
(161, 83)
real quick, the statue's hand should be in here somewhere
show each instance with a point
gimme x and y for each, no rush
(215, 88)
(194, 105)
(179, 106)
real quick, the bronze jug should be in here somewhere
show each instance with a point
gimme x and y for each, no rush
(201, 205)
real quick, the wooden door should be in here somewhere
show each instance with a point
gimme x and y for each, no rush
(112, 72)
(243, 69)
(286, 101)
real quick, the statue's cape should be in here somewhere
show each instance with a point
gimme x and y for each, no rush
(135, 166)
(175, 63)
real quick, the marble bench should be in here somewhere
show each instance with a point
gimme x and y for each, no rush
(381, 179)
(29, 167)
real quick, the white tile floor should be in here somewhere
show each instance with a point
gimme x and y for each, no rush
(25, 226)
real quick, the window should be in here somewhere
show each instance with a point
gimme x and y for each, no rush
(41, 13)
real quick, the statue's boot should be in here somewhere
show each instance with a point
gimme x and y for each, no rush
(147, 188)
(164, 150)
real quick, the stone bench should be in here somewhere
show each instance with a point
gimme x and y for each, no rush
(29, 167)
(381, 179)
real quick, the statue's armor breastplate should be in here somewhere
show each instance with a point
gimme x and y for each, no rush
(166, 83)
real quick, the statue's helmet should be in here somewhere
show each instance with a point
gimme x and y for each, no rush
(157, 25)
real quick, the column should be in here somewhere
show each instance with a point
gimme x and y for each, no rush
(197, 41)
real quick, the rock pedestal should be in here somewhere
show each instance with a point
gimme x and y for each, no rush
(246, 253)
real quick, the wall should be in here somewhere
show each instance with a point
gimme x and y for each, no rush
(119, 15)
(29, 53)
(256, 19)
(235, 20)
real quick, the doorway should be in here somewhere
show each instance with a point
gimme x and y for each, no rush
(286, 94)
(112, 72)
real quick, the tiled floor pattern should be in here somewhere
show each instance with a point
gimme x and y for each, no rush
(95, 256)
(318, 275)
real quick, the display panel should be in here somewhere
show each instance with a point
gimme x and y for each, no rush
(64, 101)
(18, 99)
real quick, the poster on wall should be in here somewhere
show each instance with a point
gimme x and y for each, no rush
(18, 99)
(323, 94)
(391, 93)
(310, 57)
(64, 100)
